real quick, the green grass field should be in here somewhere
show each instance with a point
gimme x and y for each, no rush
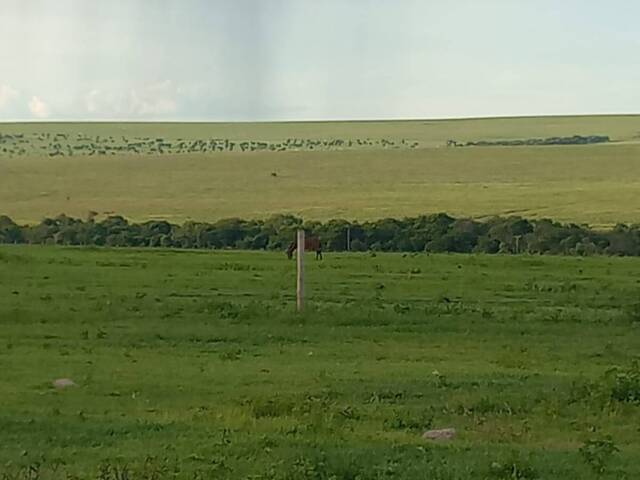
(193, 364)
(595, 184)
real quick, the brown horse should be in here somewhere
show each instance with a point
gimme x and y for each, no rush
(310, 244)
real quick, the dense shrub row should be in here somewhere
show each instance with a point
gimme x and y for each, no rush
(574, 140)
(431, 233)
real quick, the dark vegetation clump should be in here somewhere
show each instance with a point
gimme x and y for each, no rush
(427, 233)
(574, 140)
(598, 453)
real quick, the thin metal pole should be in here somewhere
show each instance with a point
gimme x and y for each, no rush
(300, 276)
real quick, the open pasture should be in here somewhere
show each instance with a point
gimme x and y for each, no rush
(193, 364)
(354, 170)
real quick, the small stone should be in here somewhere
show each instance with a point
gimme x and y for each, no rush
(440, 435)
(64, 383)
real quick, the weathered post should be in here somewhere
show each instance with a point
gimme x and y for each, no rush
(300, 277)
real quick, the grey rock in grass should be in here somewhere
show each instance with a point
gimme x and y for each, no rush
(64, 383)
(440, 435)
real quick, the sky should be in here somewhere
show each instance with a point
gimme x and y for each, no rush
(262, 60)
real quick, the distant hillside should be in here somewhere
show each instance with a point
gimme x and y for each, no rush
(323, 170)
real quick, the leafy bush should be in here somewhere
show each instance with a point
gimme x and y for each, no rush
(411, 422)
(513, 469)
(598, 453)
(625, 384)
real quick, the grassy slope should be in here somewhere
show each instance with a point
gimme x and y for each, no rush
(592, 184)
(196, 360)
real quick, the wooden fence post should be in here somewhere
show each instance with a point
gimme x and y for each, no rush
(300, 276)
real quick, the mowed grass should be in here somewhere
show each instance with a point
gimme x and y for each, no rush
(195, 364)
(596, 184)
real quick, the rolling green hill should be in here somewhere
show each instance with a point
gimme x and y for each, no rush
(354, 170)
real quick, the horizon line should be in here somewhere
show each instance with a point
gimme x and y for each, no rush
(358, 120)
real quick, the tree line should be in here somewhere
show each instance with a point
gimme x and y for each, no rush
(426, 233)
(574, 140)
